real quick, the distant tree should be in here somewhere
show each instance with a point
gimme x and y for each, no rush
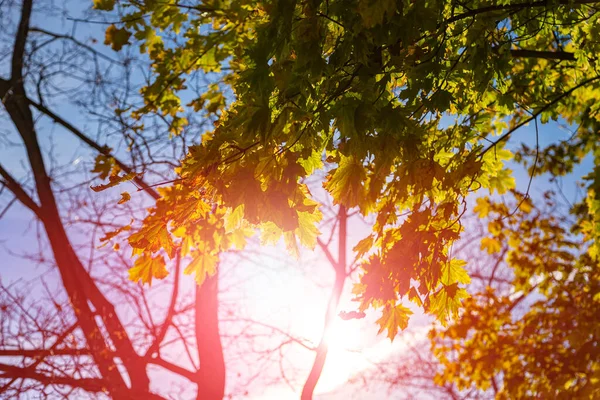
(531, 329)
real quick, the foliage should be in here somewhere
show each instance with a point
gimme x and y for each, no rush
(406, 104)
(538, 335)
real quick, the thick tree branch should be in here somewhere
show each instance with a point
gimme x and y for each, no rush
(20, 41)
(38, 359)
(78, 284)
(19, 193)
(93, 385)
(186, 373)
(548, 55)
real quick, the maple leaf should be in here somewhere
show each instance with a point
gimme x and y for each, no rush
(453, 272)
(404, 135)
(147, 268)
(116, 37)
(345, 183)
(235, 218)
(307, 231)
(482, 207)
(491, 245)
(445, 303)
(203, 264)
(105, 5)
(363, 246)
(103, 165)
(394, 318)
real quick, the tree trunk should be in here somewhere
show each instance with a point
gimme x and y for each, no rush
(211, 376)
(334, 299)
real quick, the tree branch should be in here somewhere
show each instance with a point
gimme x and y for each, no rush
(19, 193)
(327, 253)
(512, 7)
(332, 305)
(20, 40)
(100, 149)
(42, 353)
(88, 384)
(556, 100)
(170, 311)
(186, 373)
(548, 55)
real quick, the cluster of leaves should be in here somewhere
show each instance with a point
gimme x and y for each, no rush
(398, 100)
(538, 335)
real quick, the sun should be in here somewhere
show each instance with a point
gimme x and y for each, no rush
(346, 342)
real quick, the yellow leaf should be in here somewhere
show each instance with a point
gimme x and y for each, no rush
(147, 267)
(491, 245)
(503, 181)
(526, 205)
(270, 233)
(238, 237)
(291, 244)
(307, 231)
(453, 272)
(363, 246)
(445, 302)
(345, 183)
(483, 207)
(234, 220)
(495, 227)
(394, 318)
(203, 264)
(125, 197)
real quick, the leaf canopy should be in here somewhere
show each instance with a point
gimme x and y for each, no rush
(406, 104)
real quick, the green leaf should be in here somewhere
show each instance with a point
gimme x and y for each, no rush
(105, 5)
